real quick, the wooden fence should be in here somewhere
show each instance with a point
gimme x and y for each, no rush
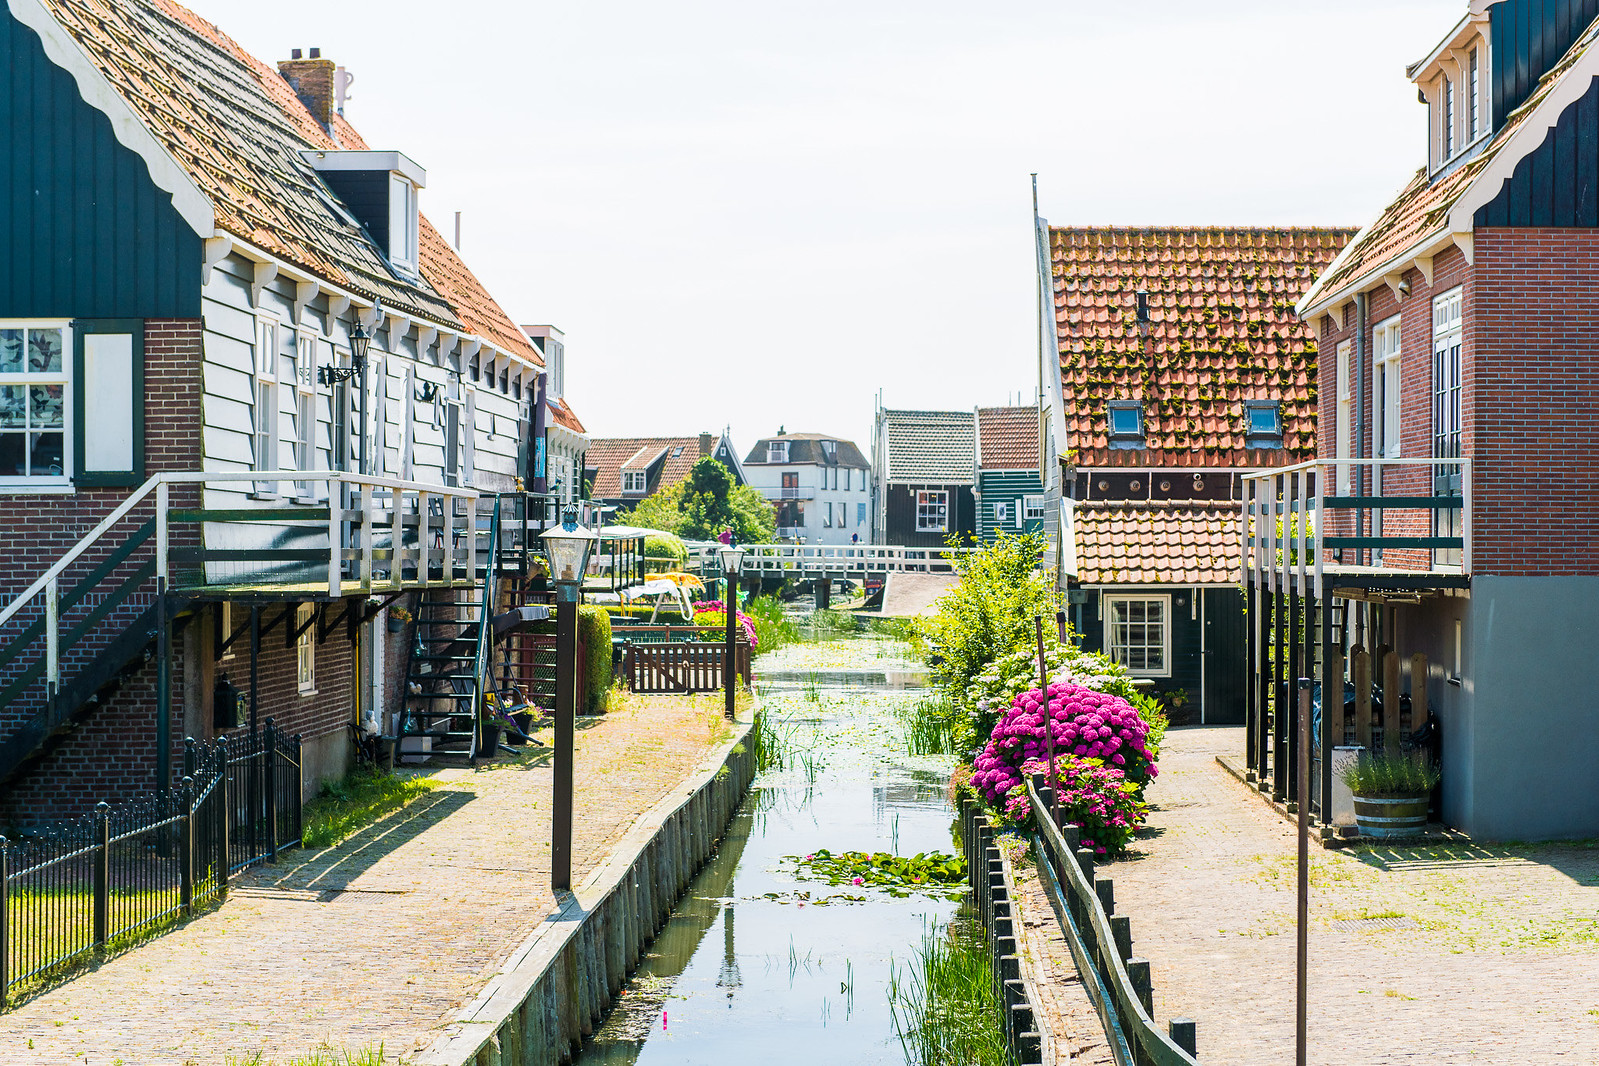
(681, 666)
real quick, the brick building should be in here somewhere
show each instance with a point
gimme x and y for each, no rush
(1453, 500)
(191, 461)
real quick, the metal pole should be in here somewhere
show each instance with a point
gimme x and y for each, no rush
(1049, 722)
(163, 691)
(729, 667)
(1304, 871)
(565, 714)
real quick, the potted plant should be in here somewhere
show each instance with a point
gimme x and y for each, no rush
(1390, 791)
(398, 617)
(489, 726)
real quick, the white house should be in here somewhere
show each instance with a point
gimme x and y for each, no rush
(820, 484)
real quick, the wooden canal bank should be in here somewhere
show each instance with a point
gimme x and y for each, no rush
(557, 985)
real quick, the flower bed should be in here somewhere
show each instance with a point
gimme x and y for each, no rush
(714, 613)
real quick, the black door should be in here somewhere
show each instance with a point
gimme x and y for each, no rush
(1225, 662)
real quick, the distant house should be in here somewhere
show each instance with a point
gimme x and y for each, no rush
(1010, 490)
(560, 439)
(821, 486)
(1182, 366)
(625, 470)
(922, 463)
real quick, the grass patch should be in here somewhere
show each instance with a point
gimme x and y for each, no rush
(929, 726)
(326, 1055)
(355, 801)
(943, 1003)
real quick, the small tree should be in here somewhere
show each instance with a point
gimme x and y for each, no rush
(754, 516)
(705, 503)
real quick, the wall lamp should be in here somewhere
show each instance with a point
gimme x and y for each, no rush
(360, 341)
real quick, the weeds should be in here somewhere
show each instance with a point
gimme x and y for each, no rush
(929, 725)
(943, 1003)
(326, 1055)
(355, 801)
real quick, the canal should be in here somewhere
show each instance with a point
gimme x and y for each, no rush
(759, 963)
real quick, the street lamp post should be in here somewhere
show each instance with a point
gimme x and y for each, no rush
(732, 559)
(568, 546)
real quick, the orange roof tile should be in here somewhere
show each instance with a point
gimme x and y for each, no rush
(610, 455)
(1222, 329)
(1157, 544)
(1007, 438)
(562, 414)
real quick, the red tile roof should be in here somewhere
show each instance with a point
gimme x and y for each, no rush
(563, 415)
(610, 455)
(1222, 330)
(1157, 543)
(1420, 212)
(1007, 438)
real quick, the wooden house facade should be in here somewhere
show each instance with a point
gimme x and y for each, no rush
(922, 477)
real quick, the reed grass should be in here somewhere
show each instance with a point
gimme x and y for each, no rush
(929, 726)
(943, 1003)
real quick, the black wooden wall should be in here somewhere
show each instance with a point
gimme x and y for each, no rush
(901, 517)
(1528, 37)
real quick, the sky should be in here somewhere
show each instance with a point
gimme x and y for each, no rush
(767, 215)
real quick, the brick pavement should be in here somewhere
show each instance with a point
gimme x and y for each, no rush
(1493, 961)
(381, 939)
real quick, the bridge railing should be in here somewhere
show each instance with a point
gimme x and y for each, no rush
(849, 559)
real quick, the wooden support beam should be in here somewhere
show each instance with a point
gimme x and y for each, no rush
(1360, 664)
(324, 626)
(1418, 690)
(1390, 702)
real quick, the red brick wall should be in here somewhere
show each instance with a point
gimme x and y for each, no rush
(1533, 420)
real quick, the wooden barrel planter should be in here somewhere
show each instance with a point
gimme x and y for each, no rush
(1395, 816)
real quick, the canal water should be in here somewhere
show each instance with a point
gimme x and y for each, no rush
(758, 964)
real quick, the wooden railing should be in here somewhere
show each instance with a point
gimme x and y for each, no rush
(681, 666)
(846, 559)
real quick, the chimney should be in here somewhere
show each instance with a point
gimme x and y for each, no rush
(312, 81)
(705, 444)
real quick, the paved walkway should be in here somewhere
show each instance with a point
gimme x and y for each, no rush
(1442, 954)
(378, 940)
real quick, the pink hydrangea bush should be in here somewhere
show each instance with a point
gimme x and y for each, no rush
(1101, 748)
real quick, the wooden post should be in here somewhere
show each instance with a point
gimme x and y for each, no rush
(1390, 702)
(1418, 690)
(1332, 719)
(1360, 664)
(1184, 1034)
(1251, 664)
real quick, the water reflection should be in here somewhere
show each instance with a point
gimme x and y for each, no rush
(780, 984)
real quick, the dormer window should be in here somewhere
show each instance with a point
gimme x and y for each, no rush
(1263, 423)
(633, 482)
(379, 189)
(1452, 81)
(1126, 423)
(777, 451)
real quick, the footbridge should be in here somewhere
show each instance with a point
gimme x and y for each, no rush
(839, 561)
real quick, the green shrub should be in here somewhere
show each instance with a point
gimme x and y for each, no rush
(773, 628)
(1384, 776)
(594, 628)
(989, 613)
(666, 546)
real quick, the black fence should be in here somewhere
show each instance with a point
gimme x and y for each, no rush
(101, 881)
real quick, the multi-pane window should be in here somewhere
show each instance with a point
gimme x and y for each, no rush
(305, 419)
(633, 481)
(1034, 508)
(266, 402)
(1345, 440)
(1138, 633)
(932, 512)
(305, 648)
(827, 516)
(1446, 340)
(1473, 123)
(1385, 396)
(1449, 117)
(34, 369)
(777, 451)
(402, 221)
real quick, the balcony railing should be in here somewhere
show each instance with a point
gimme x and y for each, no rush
(789, 492)
(1388, 517)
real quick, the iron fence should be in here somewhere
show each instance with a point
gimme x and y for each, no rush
(121, 872)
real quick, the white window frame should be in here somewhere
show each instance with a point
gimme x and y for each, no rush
(1449, 106)
(1344, 417)
(402, 211)
(777, 451)
(225, 630)
(926, 519)
(634, 481)
(827, 516)
(860, 514)
(1387, 395)
(26, 379)
(1110, 602)
(305, 649)
(1002, 511)
(1033, 508)
(265, 403)
(305, 414)
(1474, 90)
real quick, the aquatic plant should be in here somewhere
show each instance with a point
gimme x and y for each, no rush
(944, 1006)
(932, 871)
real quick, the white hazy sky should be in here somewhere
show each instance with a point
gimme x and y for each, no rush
(762, 214)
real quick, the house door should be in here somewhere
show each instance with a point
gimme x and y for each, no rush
(791, 485)
(1225, 665)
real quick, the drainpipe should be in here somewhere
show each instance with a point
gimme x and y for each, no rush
(1362, 311)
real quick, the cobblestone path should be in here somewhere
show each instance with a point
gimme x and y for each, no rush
(380, 939)
(1443, 954)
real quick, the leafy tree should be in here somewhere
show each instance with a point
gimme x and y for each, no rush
(663, 511)
(705, 503)
(706, 507)
(754, 517)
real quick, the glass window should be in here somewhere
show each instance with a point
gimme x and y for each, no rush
(1473, 126)
(860, 514)
(1385, 395)
(1263, 422)
(305, 648)
(265, 455)
(633, 481)
(1002, 512)
(1345, 442)
(777, 451)
(1034, 508)
(932, 512)
(1449, 118)
(1446, 341)
(1126, 419)
(34, 370)
(1138, 633)
(402, 221)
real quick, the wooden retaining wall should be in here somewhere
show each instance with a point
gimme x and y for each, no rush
(556, 987)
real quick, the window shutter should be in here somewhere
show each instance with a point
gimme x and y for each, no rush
(408, 432)
(468, 473)
(108, 412)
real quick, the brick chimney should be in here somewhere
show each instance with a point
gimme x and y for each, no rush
(312, 81)
(705, 444)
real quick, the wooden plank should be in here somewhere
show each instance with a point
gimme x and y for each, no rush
(1393, 542)
(1360, 664)
(246, 555)
(1390, 702)
(250, 514)
(1418, 690)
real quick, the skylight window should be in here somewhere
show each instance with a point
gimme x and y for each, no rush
(1126, 421)
(1263, 422)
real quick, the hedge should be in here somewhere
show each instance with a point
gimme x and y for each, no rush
(594, 629)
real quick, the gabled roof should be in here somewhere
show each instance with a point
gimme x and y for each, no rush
(1007, 438)
(562, 415)
(928, 447)
(1157, 543)
(237, 129)
(1426, 212)
(1222, 329)
(609, 456)
(806, 448)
